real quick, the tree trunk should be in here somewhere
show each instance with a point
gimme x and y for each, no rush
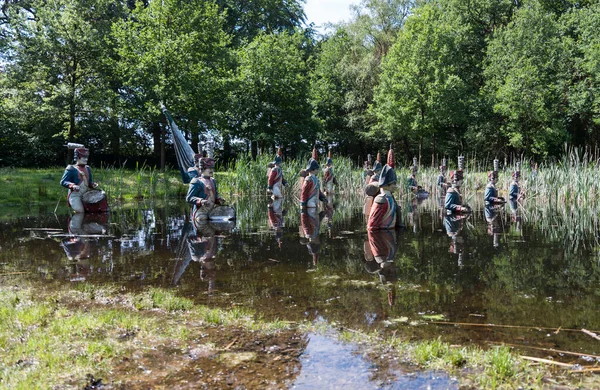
(227, 152)
(115, 139)
(155, 129)
(162, 147)
(72, 129)
(406, 147)
(254, 149)
(433, 153)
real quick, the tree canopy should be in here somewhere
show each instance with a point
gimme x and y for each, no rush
(433, 78)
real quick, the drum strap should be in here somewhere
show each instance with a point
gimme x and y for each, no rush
(83, 174)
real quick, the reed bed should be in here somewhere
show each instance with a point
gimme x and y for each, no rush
(561, 197)
(249, 177)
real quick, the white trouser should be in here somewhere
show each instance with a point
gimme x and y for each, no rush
(75, 198)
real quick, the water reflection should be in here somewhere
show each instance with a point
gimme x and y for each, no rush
(413, 213)
(380, 252)
(275, 214)
(310, 226)
(451, 268)
(515, 214)
(493, 220)
(84, 230)
(199, 244)
(453, 224)
(327, 363)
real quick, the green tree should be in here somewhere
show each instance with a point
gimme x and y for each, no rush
(422, 90)
(52, 82)
(584, 88)
(174, 52)
(270, 104)
(328, 90)
(347, 69)
(526, 79)
(246, 19)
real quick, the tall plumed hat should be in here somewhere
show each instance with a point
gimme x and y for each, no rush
(312, 165)
(461, 163)
(278, 157)
(377, 164)
(329, 160)
(496, 165)
(415, 167)
(369, 159)
(391, 161)
(377, 167)
(388, 174)
(517, 173)
(78, 150)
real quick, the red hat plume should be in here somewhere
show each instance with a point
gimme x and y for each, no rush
(315, 155)
(390, 159)
(329, 154)
(378, 157)
(279, 152)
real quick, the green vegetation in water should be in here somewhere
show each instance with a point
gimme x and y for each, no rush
(560, 197)
(66, 335)
(18, 184)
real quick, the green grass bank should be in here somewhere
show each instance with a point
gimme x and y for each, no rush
(72, 336)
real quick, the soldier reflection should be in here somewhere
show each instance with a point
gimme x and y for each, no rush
(515, 215)
(328, 219)
(275, 213)
(78, 246)
(492, 217)
(453, 224)
(413, 213)
(380, 250)
(199, 243)
(310, 224)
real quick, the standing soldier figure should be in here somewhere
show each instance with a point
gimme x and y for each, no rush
(453, 201)
(491, 193)
(385, 211)
(276, 180)
(311, 193)
(367, 169)
(412, 184)
(441, 180)
(328, 177)
(371, 187)
(514, 192)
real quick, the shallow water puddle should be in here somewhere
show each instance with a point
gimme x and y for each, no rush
(328, 363)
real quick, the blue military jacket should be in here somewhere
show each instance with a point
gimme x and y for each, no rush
(513, 192)
(198, 191)
(452, 200)
(73, 176)
(490, 193)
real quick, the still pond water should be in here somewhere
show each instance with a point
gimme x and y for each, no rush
(437, 277)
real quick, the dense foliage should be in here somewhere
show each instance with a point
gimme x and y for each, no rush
(435, 78)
